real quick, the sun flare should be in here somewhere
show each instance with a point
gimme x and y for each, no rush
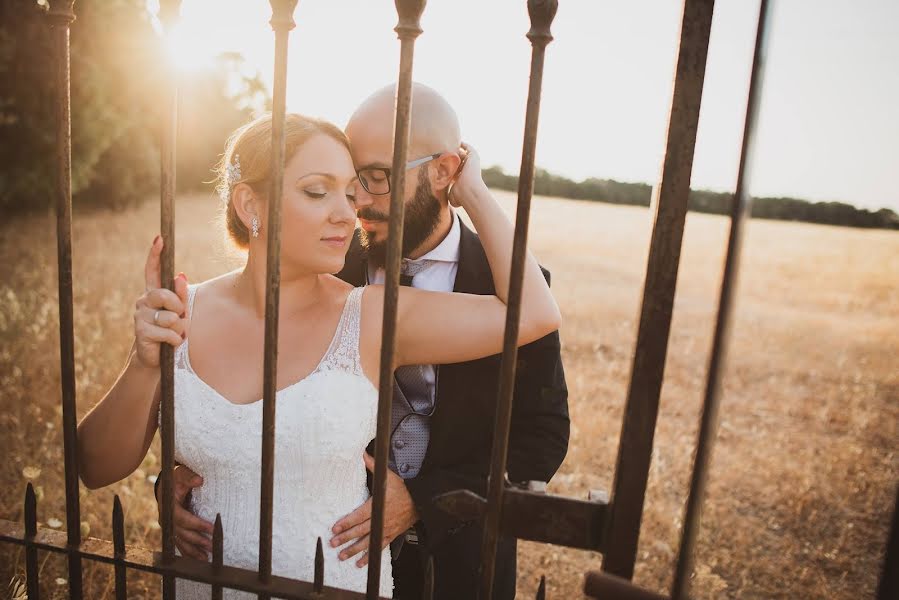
(189, 49)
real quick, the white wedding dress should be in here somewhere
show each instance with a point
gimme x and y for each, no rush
(323, 424)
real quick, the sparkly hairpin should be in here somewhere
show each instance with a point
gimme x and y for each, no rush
(232, 176)
(233, 170)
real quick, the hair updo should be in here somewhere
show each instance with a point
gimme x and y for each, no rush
(252, 143)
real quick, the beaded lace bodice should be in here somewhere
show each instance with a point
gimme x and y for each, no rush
(323, 424)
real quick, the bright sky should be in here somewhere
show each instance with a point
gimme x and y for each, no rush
(829, 128)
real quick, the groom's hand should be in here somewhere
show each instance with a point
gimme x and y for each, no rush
(192, 534)
(399, 515)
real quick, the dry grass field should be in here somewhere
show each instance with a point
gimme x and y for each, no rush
(805, 469)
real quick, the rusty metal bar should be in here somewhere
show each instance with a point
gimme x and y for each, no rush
(118, 546)
(603, 586)
(408, 28)
(217, 554)
(541, 13)
(534, 516)
(168, 15)
(61, 15)
(31, 568)
(51, 540)
(282, 23)
(708, 427)
(641, 410)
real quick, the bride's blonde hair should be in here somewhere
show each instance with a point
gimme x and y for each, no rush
(248, 159)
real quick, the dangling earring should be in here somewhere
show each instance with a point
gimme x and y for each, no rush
(255, 225)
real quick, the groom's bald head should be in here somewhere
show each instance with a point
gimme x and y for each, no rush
(434, 126)
(434, 130)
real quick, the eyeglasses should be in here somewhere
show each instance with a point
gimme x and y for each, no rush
(376, 180)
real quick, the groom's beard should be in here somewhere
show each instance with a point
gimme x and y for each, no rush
(421, 220)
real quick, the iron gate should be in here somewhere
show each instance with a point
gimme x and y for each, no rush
(609, 526)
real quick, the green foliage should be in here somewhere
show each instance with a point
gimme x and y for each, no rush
(118, 100)
(640, 194)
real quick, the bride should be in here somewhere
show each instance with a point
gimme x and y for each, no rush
(328, 349)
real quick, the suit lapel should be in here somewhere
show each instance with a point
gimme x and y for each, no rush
(473, 275)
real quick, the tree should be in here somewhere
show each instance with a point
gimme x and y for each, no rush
(117, 88)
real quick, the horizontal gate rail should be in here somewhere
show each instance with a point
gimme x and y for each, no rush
(536, 516)
(611, 587)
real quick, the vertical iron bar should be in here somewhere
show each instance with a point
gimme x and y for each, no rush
(408, 28)
(709, 419)
(61, 15)
(217, 555)
(647, 371)
(168, 15)
(541, 14)
(318, 576)
(32, 588)
(282, 23)
(118, 541)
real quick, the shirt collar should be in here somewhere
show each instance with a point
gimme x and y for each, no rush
(446, 251)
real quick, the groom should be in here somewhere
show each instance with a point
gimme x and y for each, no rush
(442, 421)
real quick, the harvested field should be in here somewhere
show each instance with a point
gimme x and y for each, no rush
(804, 473)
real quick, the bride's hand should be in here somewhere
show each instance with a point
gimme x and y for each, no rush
(468, 180)
(159, 314)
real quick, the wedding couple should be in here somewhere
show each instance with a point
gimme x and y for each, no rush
(450, 323)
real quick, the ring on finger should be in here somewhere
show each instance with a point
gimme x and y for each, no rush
(156, 318)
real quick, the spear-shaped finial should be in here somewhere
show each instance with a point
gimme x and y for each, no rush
(318, 582)
(218, 543)
(118, 543)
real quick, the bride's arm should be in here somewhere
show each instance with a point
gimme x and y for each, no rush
(114, 436)
(439, 328)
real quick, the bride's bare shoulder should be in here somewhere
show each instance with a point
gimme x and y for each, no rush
(215, 291)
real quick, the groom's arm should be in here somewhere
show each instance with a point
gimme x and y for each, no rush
(538, 440)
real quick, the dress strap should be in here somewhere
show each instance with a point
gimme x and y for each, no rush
(181, 356)
(343, 354)
(191, 294)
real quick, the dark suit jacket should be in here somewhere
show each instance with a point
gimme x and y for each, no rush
(462, 430)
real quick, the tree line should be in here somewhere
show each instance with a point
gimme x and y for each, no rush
(705, 201)
(119, 95)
